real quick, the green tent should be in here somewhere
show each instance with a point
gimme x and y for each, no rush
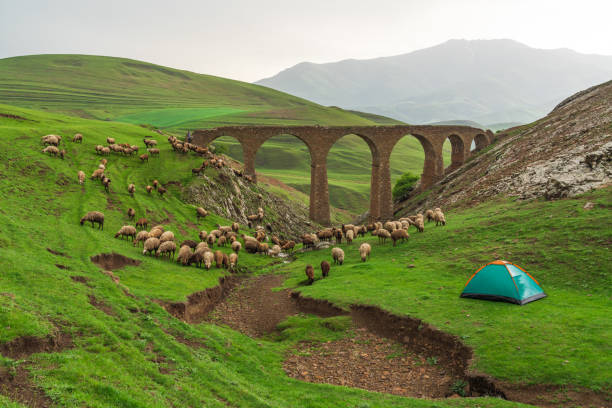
(503, 281)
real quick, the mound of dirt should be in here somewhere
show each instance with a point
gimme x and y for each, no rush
(372, 363)
(17, 386)
(112, 261)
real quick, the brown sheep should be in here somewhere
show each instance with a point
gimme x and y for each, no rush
(235, 227)
(236, 246)
(131, 213)
(131, 189)
(190, 243)
(201, 213)
(106, 183)
(155, 184)
(288, 247)
(151, 245)
(383, 234)
(262, 248)
(95, 217)
(110, 140)
(149, 142)
(338, 255)
(142, 223)
(184, 255)
(222, 241)
(219, 259)
(325, 267)
(62, 154)
(81, 176)
(97, 174)
(429, 215)
(166, 248)
(126, 231)
(211, 239)
(203, 235)
(310, 274)
(149, 189)
(399, 235)
(225, 262)
(52, 150)
(251, 245)
(78, 138)
(144, 157)
(153, 152)
(364, 251)
(161, 190)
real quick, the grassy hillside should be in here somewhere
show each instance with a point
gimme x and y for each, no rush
(136, 92)
(127, 350)
(564, 339)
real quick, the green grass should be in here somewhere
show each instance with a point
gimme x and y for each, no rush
(137, 92)
(116, 359)
(565, 338)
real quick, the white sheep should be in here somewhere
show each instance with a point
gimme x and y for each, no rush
(338, 255)
(364, 251)
(167, 236)
(151, 245)
(166, 248)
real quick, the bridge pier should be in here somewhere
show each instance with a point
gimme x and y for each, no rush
(319, 191)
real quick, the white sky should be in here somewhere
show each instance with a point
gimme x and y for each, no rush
(250, 40)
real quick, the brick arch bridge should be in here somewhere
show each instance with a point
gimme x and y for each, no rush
(380, 139)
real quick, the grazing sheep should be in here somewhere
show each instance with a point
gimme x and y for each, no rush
(262, 248)
(275, 240)
(338, 235)
(105, 151)
(155, 184)
(439, 217)
(106, 183)
(81, 176)
(288, 246)
(62, 154)
(190, 243)
(218, 259)
(419, 223)
(53, 140)
(141, 236)
(364, 251)
(233, 261)
(151, 245)
(310, 274)
(275, 250)
(166, 248)
(308, 241)
(161, 190)
(103, 161)
(110, 140)
(236, 246)
(201, 213)
(383, 234)
(203, 235)
(202, 247)
(52, 150)
(153, 152)
(389, 226)
(251, 245)
(102, 166)
(349, 236)
(131, 213)
(235, 227)
(131, 189)
(429, 215)
(184, 255)
(149, 189)
(134, 148)
(167, 236)
(95, 217)
(325, 267)
(338, 255)
(208, 259)
(78, 138)
(361, 231)
(399, 235)
(155, 233)
(98, 173)
(126, 231)
(149, 142)
(142, 223)
(144, 157)
(212, 238)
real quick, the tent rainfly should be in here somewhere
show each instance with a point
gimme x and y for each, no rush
(505, 282)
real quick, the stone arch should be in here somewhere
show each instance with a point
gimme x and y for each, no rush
(481, 141)
(457, 152)
(433, 166)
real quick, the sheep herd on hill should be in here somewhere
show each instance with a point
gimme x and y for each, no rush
(397, 231)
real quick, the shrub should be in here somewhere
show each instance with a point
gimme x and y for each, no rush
(404, 186)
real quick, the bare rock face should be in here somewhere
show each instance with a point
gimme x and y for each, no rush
(234, 198)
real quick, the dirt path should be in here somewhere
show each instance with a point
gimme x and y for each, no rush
(253, 308)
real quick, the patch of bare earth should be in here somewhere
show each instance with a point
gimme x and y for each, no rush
(22, 347)
(101, 305)
(16, 385)
(112, 261)
(369, 362)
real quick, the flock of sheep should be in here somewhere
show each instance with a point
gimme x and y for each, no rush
(397, 231)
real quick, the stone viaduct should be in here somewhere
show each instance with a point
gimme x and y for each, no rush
(380, 139)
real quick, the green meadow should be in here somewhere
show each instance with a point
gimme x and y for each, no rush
(135, 354)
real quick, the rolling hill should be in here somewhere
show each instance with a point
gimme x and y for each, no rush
(485, 81)
(123, 90)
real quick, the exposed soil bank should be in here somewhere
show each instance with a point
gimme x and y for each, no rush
(110, 262)
(22, 347)
(199, 304)
(16, 385)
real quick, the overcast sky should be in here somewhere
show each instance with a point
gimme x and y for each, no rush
(250, 40)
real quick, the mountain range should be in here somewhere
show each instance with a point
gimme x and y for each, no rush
(490, 82)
